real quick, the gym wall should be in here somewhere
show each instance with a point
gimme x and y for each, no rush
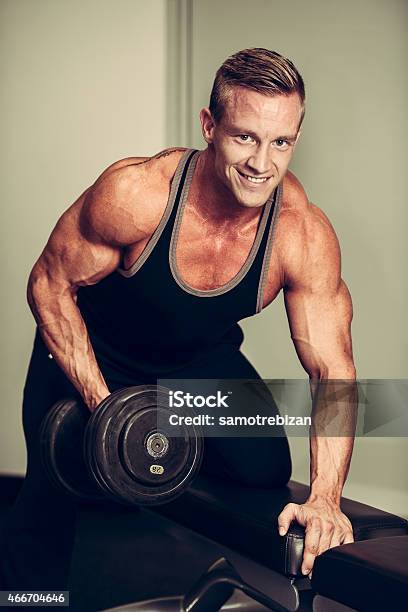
(83, 85)
(351, 159)
(87, 82)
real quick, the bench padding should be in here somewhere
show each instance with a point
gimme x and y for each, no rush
(245, 519)
(370, 575)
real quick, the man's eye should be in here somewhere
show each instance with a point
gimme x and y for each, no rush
(281, 143)
(245, 138)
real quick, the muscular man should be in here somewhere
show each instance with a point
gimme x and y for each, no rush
(146, 275)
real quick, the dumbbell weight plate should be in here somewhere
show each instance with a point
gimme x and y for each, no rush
(141, 447)
(61, 438)
(120, 443)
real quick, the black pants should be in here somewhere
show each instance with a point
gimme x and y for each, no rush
(38, 535)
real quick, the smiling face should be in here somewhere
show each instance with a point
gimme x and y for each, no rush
(253, 142)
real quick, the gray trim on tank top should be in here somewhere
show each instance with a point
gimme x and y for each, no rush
(175, 234)
(128, 272)
(268, 249)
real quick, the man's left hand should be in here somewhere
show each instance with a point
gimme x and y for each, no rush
(325, 524)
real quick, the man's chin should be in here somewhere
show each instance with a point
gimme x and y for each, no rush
(252, 200)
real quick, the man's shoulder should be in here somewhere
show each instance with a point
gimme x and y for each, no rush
(304, 234)
(152, 170)
(298, 215)
(295, 203)
(130, 196)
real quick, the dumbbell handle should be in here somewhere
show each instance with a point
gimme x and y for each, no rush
(216, 586)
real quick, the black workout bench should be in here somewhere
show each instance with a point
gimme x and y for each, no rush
(156, 560)
(246, 521)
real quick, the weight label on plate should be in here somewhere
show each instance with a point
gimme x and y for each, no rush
(157, 469)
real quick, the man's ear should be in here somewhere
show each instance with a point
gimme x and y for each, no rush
(207, 125)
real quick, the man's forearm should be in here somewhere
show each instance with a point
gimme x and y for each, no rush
(329, 464)
(334, 415)
(64, 332)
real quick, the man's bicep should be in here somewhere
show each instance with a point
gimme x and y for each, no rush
(74, 255)
(317, 300)
(320, 323)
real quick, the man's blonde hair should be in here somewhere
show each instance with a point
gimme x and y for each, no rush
(259, 69)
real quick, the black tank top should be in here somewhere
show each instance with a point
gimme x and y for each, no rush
(145, 320)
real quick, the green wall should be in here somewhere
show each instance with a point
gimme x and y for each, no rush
(82, 86)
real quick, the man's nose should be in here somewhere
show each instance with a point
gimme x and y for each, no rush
(260, 160)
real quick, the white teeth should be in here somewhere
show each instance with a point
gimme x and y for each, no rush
(255, 180)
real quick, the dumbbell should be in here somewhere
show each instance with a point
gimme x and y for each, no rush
(119, 452)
